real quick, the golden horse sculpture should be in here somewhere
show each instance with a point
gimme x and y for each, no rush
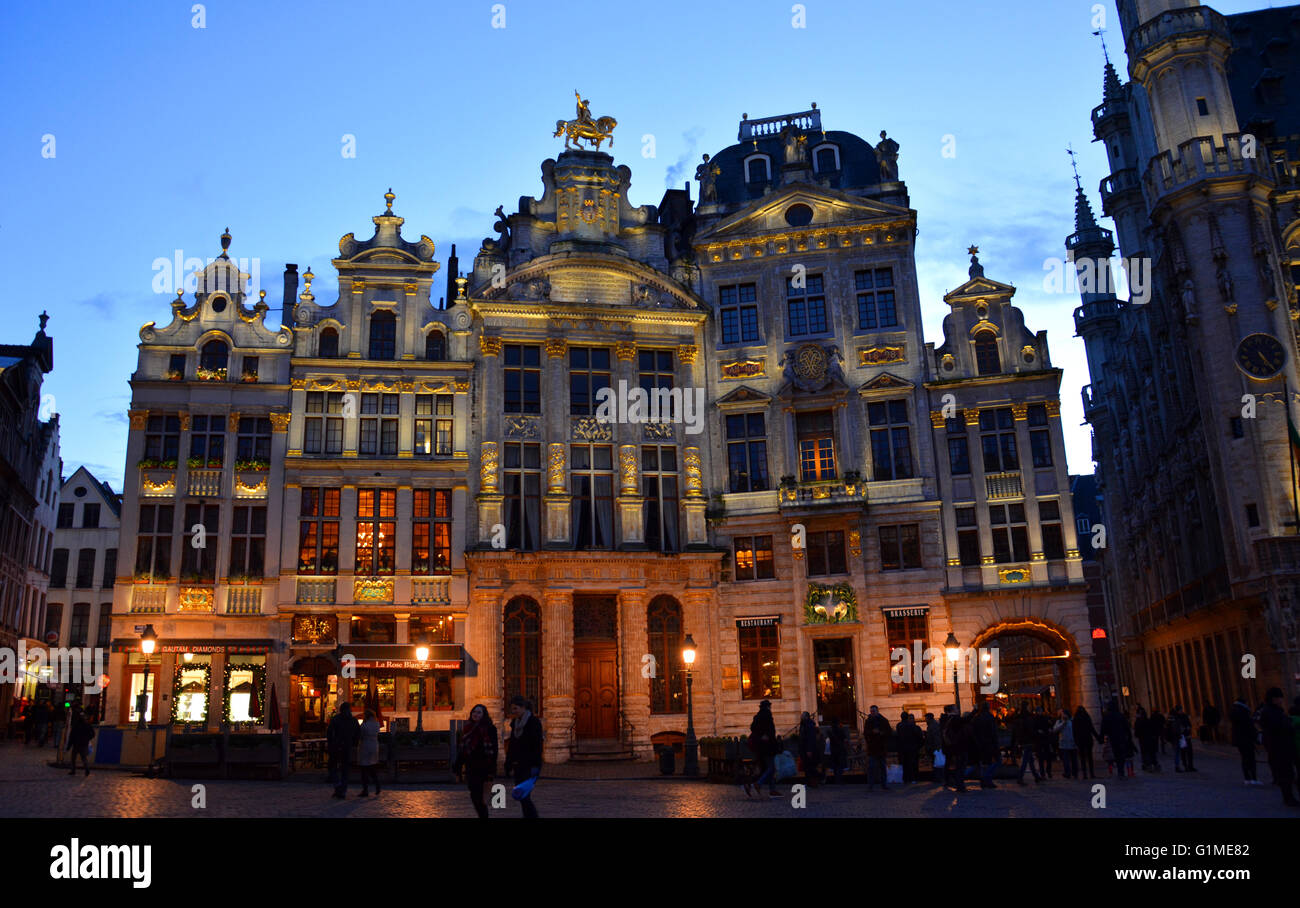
(594, 131)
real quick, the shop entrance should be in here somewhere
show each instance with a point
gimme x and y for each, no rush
(833, 669)
(313, 692)
(595, 668)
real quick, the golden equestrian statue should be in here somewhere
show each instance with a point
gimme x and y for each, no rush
(584, 127)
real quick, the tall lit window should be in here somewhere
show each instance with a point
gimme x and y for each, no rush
(805, 306)
(998, 440)
(588, 374)
(891, 444)
(522, 623)
(248, 542)
(659, 490)
(816, 435)
(987, 359)
(904, 627)
(1010, 533)
(753, 556)
(760, 660)
(592, 477)
(378, 429)
(318, 532)
(522, 476)
(746, 452)
(664, 639)
(738, 314)
(876, 308)
(383, 336)
(376, 531)
(431, 532)
(523, 378)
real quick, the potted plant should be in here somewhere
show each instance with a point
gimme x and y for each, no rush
(253, 466)
(203, 374)
(175, 375)
(248, 377)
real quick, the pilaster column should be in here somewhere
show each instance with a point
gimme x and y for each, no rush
(635, 687)
(699, 619)
(557, 673)
(557, 495)
(630, 513)
(483, 647)
(694, 503)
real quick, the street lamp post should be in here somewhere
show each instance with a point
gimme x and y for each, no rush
(954, 653)
(148, 641)
(691, 765)
(422, 656)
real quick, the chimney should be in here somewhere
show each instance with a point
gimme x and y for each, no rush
(453, 272)
(290, 288)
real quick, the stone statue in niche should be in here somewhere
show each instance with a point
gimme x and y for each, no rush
(887, 158)
(796, 145)
(1225, 283)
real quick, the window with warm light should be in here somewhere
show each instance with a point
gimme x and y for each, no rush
(190, 690)
(760, 662)
(664, 639)
(376, 531)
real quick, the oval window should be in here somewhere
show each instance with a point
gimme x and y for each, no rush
(219, 304)
(798, 215)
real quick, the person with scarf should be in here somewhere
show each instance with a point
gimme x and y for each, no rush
(477, 757)
(524, 751)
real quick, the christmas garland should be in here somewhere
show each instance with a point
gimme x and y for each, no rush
(841, 593)
(181, 666)
(259, 689)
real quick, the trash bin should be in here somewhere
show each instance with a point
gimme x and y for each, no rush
(667, 759)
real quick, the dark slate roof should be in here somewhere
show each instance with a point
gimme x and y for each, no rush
(858, 167)
(1264, 74)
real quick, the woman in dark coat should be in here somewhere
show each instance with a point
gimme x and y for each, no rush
(477, 757)
(1148, 739)
(839, 747)
(524, 750)
(1115, 728)
(1244, 738)
(762, 741)
(910, 739)
(1085, 733)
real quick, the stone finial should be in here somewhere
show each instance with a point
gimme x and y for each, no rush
(225, 243)
(976, 269)
(44, 319)
(388, 201)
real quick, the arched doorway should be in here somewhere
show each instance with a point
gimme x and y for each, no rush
(313, 695)
(1036, 665)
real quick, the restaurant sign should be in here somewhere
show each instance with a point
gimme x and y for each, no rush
(409, 664)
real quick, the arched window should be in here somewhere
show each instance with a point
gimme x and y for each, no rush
(329, 343)
(664, 633)
(523, 650)
(214, 356)
(757, 169)
(827, 159)
(987, 360)
(383, 336)
(435, 346)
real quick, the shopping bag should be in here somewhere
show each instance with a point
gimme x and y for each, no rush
(784, 765)
(523, 789)
(940, 761)
(894, 775)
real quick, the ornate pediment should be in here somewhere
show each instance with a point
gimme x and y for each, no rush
(831, 209)
(886, 381)
(742, 396)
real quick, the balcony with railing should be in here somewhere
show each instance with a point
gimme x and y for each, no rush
(430, 590)
(149, 599)
(1201, 159)
(805, 121)
(850, 491)
(244, 600)
(204, 483)
(1117, 184)
(1000, 486)
(316, 590)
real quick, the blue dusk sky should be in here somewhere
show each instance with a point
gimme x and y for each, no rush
(164, 134)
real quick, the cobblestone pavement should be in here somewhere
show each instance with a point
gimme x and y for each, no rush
(31, 788)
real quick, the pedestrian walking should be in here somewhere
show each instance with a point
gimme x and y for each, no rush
(984, 737)
(1159, 725)
(1179, 733)
(1043, 741)
(1245, 737)
(810, 750)
(1116, 732)
(837, 746)
(1085, 735)
(1148, 742)
(368, 753)
(910, 741)
(340, 737)
(1064, 730)
(524, 753)
(1022, 735)
(476, 757)
(877, 730)
(79, 738)
(933, 735)
(1279, 741)
(956, 749)
(1210, 716)
(762, 741)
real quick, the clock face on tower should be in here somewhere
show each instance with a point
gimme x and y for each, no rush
(1261, 356)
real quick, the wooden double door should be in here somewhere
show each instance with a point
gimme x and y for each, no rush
(595, 690)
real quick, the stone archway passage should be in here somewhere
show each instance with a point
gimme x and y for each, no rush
(1034, 658)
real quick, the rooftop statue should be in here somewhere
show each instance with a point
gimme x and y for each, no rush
(584, 127)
